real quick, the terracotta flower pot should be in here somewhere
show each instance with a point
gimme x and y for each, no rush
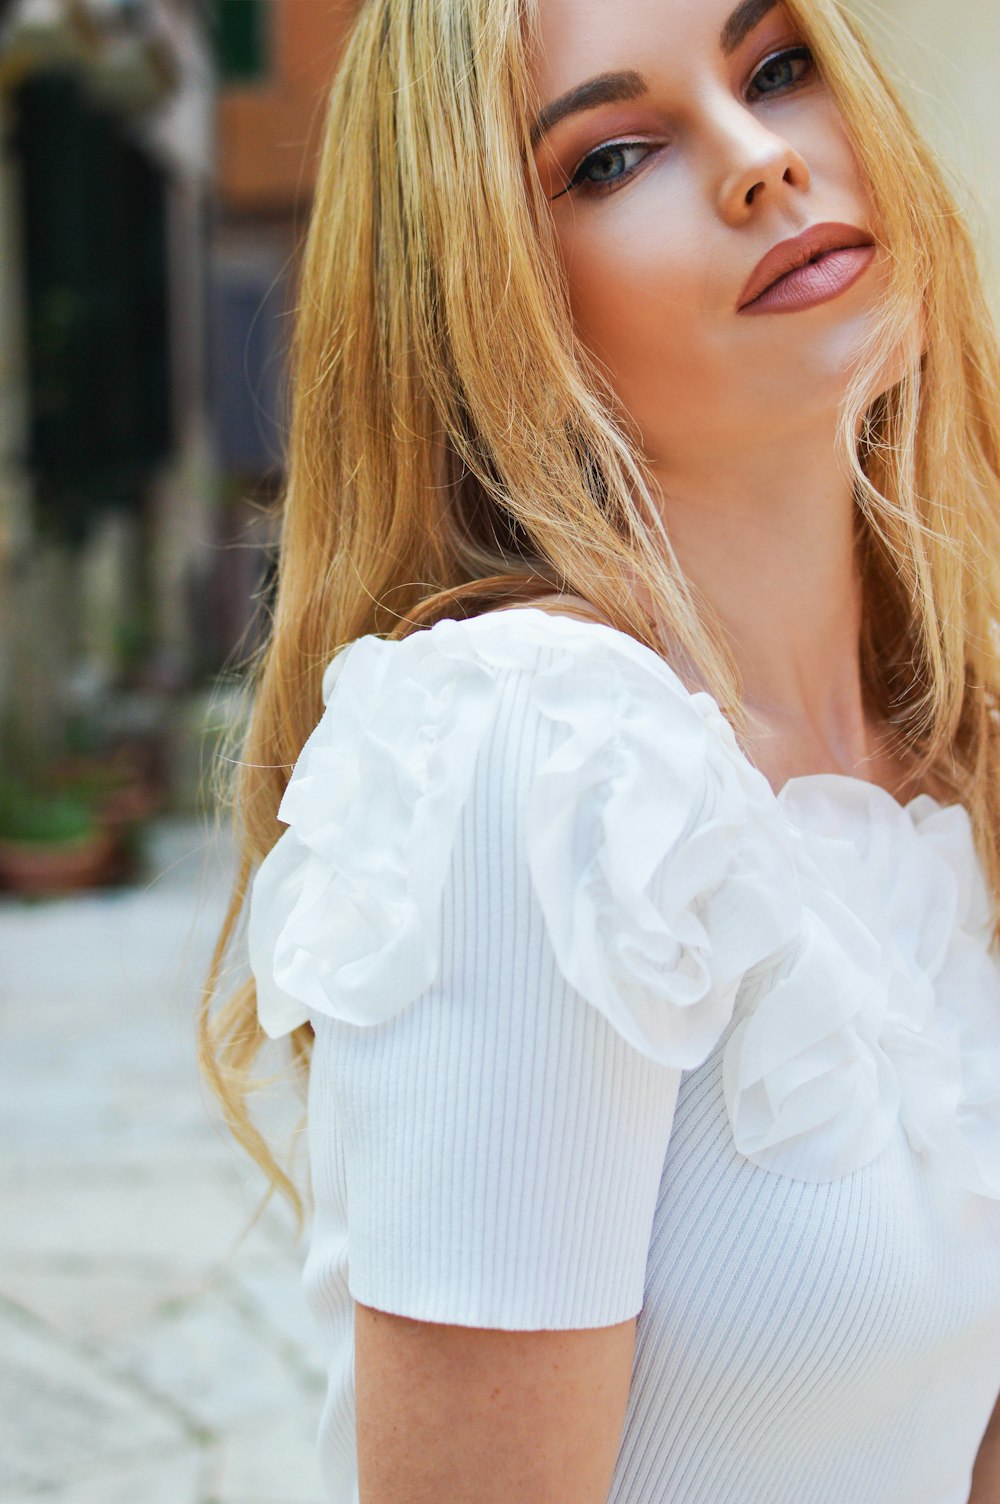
(49, 867)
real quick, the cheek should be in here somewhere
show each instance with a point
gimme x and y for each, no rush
(639, 284)
(833, 165)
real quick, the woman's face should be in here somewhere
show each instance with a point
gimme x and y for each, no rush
(708, 139)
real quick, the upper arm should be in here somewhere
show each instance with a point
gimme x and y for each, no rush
(993, 1428)
(480, 1416)
(986, 1471)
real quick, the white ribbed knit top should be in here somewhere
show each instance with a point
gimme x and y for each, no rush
(606, 1027)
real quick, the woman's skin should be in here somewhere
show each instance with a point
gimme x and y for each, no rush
(737, 413)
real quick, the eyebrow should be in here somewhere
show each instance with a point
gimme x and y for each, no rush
(742, 22)
(606, 88)
(613, 88)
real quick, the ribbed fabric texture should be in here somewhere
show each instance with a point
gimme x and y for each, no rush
(496, 1155)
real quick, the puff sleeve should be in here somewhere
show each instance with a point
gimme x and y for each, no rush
(516, 897)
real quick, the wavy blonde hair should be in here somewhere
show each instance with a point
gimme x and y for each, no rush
(452, 447)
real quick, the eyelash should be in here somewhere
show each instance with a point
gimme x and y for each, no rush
(578, 183)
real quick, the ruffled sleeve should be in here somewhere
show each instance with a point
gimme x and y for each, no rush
(654, 857)
(522, 880)
(344, 911)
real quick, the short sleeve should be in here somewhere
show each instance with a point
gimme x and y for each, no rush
(515, 902)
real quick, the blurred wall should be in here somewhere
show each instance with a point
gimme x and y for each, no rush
(269, 129)
(277, 58)
(946, 56)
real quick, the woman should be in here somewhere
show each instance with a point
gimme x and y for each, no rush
(638, 896)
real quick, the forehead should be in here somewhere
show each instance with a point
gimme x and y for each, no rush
(579, 38)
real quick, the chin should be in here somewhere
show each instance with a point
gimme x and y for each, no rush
(823, 368)
(862, 344)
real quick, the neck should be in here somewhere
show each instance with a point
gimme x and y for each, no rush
(768, 542)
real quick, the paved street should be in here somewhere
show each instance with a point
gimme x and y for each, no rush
(150, 1352)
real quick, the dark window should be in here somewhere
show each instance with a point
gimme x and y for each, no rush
(240, 39)
(94, 213)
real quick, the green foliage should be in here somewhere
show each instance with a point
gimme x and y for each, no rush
(32, 814)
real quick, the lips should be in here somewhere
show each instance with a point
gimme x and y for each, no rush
(789, 255)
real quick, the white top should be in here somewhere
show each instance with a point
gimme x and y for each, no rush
(605, 1028)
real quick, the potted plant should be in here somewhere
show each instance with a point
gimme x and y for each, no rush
(52, 841)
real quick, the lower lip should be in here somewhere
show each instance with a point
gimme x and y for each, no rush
(815, 283)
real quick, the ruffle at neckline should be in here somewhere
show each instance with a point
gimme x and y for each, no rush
(842, 940)
(890, 1009)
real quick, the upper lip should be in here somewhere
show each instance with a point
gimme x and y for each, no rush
(789, 255)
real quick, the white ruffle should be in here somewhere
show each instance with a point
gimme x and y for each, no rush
(661, 886)
(890, 1011)
(344, 910)
(848, 935)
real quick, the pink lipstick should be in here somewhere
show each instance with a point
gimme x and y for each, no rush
(810, 269)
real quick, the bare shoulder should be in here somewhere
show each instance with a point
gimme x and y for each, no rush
(479, 1416)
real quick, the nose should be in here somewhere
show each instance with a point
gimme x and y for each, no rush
(757, 167)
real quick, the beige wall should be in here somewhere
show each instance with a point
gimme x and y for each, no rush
(947, 53)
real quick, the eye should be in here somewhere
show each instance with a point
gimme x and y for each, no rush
(784, 71)
(606, 167)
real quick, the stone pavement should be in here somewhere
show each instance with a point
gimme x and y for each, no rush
(150, 1352)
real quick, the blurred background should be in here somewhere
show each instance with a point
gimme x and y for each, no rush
(157, 159)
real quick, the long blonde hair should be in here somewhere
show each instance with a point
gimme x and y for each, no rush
(452, 447)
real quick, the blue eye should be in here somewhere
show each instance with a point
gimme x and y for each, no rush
(785, 70)
(599, 170)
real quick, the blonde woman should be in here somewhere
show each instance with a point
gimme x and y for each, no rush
(620, 809)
